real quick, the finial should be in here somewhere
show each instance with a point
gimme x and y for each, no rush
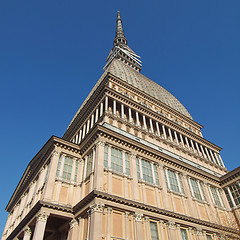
(119, 37)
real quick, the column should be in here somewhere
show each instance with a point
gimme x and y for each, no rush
(27, 233)
(138, 228)
(109, 223)
(164, 188)
(134, 176)
(181, 138)
(101, 109)
(114, 107)
(198, 149)
(231, 196)
(122, 111)
(202, 151)
(175, 134)
(171, 230)
(178, 232)
(80, 136)
(40, 226)
(213, 158)
(189, 195)
(158, 131)
(162, 235)
(186, 139)
(73, 231)
(127, 231)
(106, 104)
(216, 158)
(170, 134)
(190, 233)
(208, 154)
(130, 114)
(194, 150)
(92, 121)
(147, 228)
(88, 125)
(80, 228)
(221, 161)
(151, 125)
(96, 115)
(96, 211)
(98, 167)
(84, 128)
(137, 119)
(144, 122)
(164, 132)
(51, 176)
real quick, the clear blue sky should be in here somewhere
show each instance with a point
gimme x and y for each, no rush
(52, 53)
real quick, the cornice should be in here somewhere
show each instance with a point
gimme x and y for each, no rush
(230, 176)
(101, 131)
(35, 165)
(131, 203)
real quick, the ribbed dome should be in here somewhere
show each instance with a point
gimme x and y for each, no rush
(135, 78)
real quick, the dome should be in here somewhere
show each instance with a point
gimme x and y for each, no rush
(136, 79)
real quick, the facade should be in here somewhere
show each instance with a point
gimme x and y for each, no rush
(132, 165)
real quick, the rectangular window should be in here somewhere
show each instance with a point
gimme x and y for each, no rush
(154, 231)
(116, 160)
(59, 165)
(228, 198)
(216, 196)
(184, 234)
(235, 190)
(173, 181)
(67, 169)
(147, 171)
(197, 192)
(127, 164)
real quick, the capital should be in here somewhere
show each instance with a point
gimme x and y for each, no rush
(199, 232)
(146, 219)
(100, 143)
(42, 216)
(138, 217)
(27, 231)
(73, 223)
(171, 225)
(56, 153)
(96, 207)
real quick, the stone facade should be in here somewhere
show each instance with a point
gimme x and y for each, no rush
(130, 166)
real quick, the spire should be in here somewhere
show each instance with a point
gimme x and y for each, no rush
(119, 37)
(121, 50)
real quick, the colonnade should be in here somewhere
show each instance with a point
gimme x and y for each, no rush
(148, 124)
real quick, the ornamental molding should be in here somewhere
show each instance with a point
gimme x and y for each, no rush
(171, 225)
(42, 216)
(27, 231)
(73, 223)
(138, 217)
(96, 207)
